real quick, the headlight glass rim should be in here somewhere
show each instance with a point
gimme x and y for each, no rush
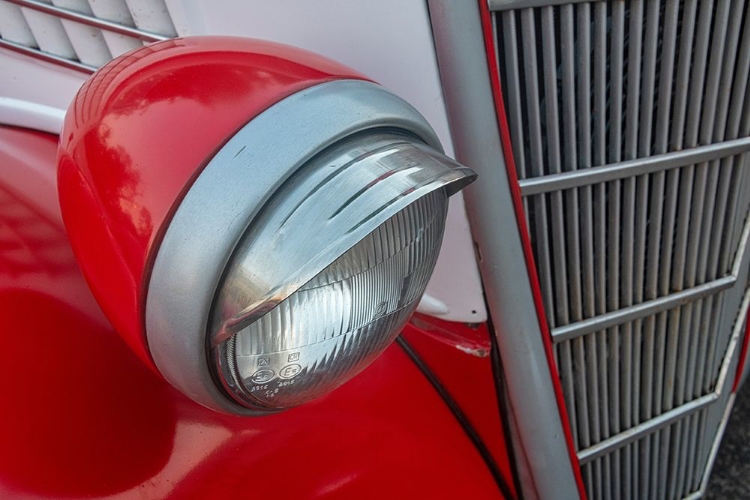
(425, 242)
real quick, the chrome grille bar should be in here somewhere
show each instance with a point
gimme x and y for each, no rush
(620, 458)
(499, 5)
(643, 429)
(635, 167)
(642, 309)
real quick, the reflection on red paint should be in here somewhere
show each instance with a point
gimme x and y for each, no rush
(88, 404)
(84, 417)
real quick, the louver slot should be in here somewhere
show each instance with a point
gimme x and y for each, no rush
(82, 34)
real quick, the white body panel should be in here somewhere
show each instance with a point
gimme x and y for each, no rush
(390, 41)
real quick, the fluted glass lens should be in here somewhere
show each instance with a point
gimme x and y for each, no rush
(340, 321)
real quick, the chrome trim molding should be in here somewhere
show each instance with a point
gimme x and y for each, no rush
(227, 196)
(94, 22)
(641, 310)
(18, 113)
(639, 166)
(474, 127)
(634, 433)
(661, 304)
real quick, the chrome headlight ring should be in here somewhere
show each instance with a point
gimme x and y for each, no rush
(301, 185)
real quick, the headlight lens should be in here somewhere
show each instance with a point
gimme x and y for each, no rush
(338, 322)
(331, 269)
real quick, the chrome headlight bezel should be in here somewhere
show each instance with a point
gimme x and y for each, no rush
(228, 196)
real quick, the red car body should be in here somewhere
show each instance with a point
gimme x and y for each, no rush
(86, 412)
(84, 417)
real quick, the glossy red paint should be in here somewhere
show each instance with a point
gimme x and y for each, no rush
(459, 355)
(489, 44)
(83, 417)
(138, 133)
(743, 354)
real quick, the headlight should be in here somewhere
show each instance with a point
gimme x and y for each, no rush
(276, 347)
(255, 220)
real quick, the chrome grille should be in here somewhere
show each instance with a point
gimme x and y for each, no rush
(629, 123)
(82, 34)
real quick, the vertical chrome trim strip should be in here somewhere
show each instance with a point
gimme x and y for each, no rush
(536, 154)
(467, 88)
(515, 114)
(614, 216)
(670, 181)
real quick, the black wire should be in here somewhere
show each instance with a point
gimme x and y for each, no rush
(463, 420)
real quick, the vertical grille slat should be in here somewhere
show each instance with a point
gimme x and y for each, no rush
(630, 366)
(511, 77)
(599, 146)
(554, 160)
(621, 484)
(583, 106)
(616, 81)
(555, 163)
(570, 162)
(533, 112)
(662, 227)
(647, 106)
(583, 75)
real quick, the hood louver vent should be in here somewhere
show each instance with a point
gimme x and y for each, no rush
(82, 34)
